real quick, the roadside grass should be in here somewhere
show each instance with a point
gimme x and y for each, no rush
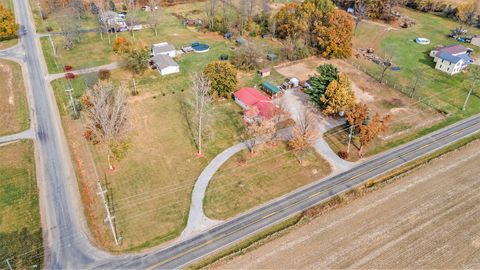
(245, 181)
(150, 189)
(13, 101)
(437, 89)
(20, 228)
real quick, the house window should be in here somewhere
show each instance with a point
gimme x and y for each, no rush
(448, 69)
(440, 66)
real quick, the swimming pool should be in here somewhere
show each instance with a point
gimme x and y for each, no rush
(200, 47)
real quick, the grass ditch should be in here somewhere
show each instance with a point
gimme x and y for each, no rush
(337, 201)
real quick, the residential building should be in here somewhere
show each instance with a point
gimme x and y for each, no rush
(254, 104)
(165, 64)
(452, 59)
(163, 48)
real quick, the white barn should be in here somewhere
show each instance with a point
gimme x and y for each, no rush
(165, 64)
(163, 48)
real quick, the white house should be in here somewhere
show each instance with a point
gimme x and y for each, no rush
(476, 41)
(165, 64)
(163, 48)
(451, 59)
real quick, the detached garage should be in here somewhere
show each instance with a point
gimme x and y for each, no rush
(165, 64)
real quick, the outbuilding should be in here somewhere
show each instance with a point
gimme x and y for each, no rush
(165, 64)
(264, 72)
(271, 89)
(163, 48)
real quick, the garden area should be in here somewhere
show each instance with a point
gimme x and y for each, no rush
(20, 228)
(246, 180)
(13, 101)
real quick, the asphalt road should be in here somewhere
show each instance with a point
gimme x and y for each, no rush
(67, 244)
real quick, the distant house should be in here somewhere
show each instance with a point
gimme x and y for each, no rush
(165, 64)
(254, 103)
(452, 59)
(476, 41)
(163, 48)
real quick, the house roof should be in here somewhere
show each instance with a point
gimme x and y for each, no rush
(453, 49)
(250, 96)
(162, 48)
(454, 59)
(270, 88)
(164, 61)
(265, 108)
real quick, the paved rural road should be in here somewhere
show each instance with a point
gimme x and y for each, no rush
(67, 243)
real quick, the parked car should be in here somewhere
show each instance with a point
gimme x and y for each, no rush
(228, 35)
(22, 31)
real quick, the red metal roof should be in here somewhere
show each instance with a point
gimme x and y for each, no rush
(254, 98)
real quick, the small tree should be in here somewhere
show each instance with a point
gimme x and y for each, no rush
(111, 5)
(8, 26)
(339, 96)
(93, 8)
(121, 45)
(385, 65)
(154, 16)
(247, 57)
(356, 117)
(326, 74)
(361, 13)
(201, 89)
(304, 135)
(69, 29)
(371, 130)
(223, 78)
(137, 60)
(104, 74)
(107, 119)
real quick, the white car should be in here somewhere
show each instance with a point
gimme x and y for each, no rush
(136, 27)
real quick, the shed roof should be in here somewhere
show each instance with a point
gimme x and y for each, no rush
(162, 48)
(270, 87)
(164, 61)
(453, 49)
(250, 96)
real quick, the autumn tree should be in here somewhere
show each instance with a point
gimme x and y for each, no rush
(107, 119)
(326, 74)
(368, 132)
(295, 49)
(335, 37)
(222, 77)
(258, 130)
(304, 135)
(286, 21)
(339, 96)
(8, 26)
(247, 57)
(356, 117)
(137, 59)
(467, 13)
(201, 90)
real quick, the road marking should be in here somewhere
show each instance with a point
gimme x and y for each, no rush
(302, 200)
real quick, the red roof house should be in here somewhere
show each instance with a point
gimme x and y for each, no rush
(254, 103)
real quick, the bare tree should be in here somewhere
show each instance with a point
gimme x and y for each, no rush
(154, 17)
(107, 118)
(475, 78)
(132, 17)
(201, 89)
(361, 13)
(385, 65)
(304, 134)
(69, 28)
(78, 7)
(418, 79)
(211, 10)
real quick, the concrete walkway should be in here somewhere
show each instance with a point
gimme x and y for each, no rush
(197, 221)
(296, 103)
(110, 66)
(27, 134)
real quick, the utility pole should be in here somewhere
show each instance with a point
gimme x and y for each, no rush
(101, 192)
(475, 79)
(72, 101)
(8, 264)
(350, 138)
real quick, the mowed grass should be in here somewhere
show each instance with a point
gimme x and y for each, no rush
(246, 181)
(20, 229)
(435, 88)
(13, 102)
(4, 44)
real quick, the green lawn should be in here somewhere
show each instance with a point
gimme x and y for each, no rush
(20, 229)
(244, 181)
(437, 89)
(13, 102)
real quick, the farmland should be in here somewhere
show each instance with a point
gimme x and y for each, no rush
(426, 219)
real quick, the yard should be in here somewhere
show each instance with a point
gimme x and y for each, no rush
(13, 102)
(20, 229)
(246, 181)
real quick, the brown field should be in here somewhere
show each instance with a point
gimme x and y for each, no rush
(13, 103)
(427, 219)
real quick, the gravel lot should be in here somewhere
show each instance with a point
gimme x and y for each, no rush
(427, 219)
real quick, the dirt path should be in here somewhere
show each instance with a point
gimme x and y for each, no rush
(428, 219)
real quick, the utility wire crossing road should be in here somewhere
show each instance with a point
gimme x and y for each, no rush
(188, 251)
(62, 212)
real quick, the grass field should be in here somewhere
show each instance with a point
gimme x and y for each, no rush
(13, 102)
(20, 229)
(244, 181)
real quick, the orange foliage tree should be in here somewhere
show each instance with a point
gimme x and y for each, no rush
(335, 37)
(8, 27)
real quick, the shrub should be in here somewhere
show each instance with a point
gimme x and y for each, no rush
(69, 76)
(67, 68)
(104, 74)
(120, 45)
(343, 155)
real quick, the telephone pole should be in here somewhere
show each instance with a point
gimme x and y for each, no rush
(101, 192)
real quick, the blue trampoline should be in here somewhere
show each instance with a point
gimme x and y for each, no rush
(200, 47)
